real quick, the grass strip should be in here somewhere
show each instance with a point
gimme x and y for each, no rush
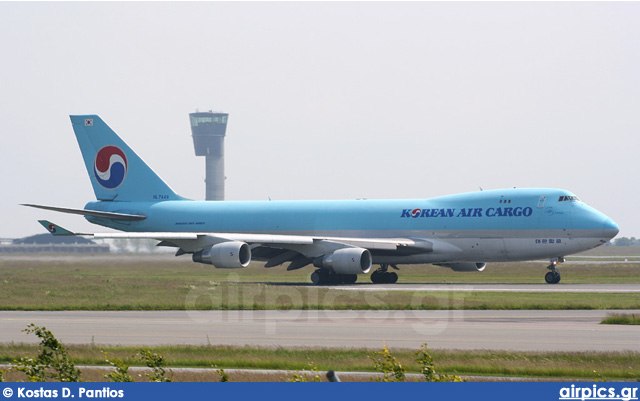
(576, 365)
(231, 296)
(618, 318)
(161, 282)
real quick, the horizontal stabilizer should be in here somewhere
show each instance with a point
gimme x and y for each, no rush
(93, 213)
(55, 229)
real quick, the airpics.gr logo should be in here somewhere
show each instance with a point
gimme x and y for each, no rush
(110, 167)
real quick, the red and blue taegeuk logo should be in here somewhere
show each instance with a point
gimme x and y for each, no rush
(110, 167)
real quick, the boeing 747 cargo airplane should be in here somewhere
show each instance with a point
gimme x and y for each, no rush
(342, 239)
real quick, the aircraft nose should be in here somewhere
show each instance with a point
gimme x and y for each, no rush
(610, 228)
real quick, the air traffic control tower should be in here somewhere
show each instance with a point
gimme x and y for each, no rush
(208, 130)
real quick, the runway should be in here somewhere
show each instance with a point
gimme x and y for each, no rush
(496, 330)
(481, 287)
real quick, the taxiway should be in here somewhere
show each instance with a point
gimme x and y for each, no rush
(520, 330)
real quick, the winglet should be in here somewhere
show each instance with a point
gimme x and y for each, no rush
(54, 228)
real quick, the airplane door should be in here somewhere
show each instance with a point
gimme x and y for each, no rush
(541, 201)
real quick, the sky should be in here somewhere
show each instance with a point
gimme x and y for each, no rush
(326, 100)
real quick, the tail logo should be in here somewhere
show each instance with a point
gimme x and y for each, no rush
(110, 167)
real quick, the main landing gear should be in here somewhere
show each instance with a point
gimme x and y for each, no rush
(382, 276)
(553, 277)
(323, 276)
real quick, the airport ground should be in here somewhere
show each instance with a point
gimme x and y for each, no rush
(601, 280)
(267, 363)
(164, 282)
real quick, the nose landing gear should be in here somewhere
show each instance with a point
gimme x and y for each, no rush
(553, 277)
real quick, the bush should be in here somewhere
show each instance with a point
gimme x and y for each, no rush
(302, 377)
(428, 369)
(121, 372)
(387, 364)
(224, 377)
(157, 365)
(52, 363)
(393, 371)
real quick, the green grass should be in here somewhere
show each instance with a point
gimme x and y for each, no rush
(589, 366)
(617, 318)
(162, 282)
(612, 251)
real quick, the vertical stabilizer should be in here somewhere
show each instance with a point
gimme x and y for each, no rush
(117, 173)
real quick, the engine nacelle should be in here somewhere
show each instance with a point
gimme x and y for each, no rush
(465, 266)
(226, 255)
(346, 261)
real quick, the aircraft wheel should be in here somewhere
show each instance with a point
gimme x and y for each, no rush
(316, 279)
(549, 277)
(557, 279)
(552, 277)
(321, 277)
(378, 277)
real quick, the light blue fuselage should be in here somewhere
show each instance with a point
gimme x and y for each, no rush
(497, 225)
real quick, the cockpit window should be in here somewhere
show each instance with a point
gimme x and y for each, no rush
(569, 198)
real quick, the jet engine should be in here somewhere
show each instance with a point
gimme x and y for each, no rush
(346, 261)
(226, 255)
(465, 266)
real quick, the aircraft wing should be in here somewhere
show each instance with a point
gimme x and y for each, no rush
(274, 248)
